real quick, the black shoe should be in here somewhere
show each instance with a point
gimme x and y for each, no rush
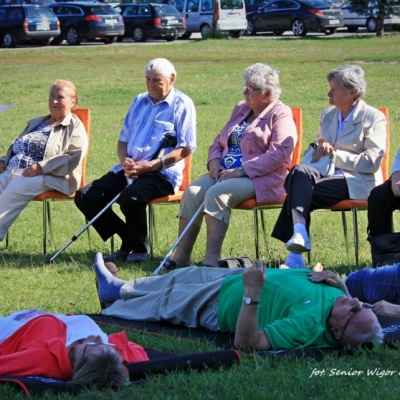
(169, 265)
(118, 255)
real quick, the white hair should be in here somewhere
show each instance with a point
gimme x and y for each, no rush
(355, 338)
(263, 77)
(351, 77)
(161, 66)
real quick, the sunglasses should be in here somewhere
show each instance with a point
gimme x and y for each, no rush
(353, 311)
(93, 344)
(249, 89)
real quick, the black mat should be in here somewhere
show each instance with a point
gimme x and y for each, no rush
(159, 362)
(390, 325)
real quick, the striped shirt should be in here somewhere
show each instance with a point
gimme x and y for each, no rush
(147, 123)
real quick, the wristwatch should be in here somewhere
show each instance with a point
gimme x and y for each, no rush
(248, 300)
(242, 172)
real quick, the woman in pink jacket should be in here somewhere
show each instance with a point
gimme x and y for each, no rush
(250, 158)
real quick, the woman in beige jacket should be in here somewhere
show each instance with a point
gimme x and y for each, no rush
(47, 155)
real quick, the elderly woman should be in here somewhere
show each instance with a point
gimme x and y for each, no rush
(357, 133)
(65, 347)
(47, 155)
(250, 158)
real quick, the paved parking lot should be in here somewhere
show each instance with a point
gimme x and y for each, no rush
(195, 36)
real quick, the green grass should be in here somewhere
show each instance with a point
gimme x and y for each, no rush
(108, 78)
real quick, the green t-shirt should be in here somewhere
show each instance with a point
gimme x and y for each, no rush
(293, 311)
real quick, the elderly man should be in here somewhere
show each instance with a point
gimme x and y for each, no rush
(267, 309)
(159, 131)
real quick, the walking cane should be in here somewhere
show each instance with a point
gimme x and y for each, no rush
(168, 255)
(84, 228)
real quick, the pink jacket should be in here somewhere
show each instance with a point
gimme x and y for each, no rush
(267, 145)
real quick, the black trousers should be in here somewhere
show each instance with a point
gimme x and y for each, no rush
(381, 204)
(307, 191)
(133, 201)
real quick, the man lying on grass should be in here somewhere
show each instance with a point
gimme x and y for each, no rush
(266, 308)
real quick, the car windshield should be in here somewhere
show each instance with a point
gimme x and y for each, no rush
(315, 3)
(98, 10)
(229, 4)
(163, 9)
(39, 12)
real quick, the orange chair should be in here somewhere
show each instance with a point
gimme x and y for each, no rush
(84, 116)
(355, 204)
(171, 199)
(251, 204)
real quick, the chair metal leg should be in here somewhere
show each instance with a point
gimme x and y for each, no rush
(7, 237)
(344, 222)
(264, 231)
(256, 238)
(44, 226)
(355, 228)
(152, 229)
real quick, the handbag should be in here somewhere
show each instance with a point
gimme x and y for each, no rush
(325, 165)
(385, 249)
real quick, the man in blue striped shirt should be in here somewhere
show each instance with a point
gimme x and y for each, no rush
(159, 131)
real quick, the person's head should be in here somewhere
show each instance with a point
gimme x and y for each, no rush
(160, 76)
(97, 363)
(347, 85)
(261, 85)
(352, 324)
(63, 98)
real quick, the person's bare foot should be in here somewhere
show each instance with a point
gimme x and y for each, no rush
(318, 267)
(112, 268)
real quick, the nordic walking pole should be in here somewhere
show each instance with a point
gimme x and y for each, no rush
(84, 228)
(168, 255)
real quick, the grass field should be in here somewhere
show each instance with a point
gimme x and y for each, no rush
(108, 78)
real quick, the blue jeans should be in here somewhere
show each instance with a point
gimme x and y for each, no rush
(372, 285)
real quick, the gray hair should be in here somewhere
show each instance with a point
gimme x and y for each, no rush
(161, 66)
(355, 338)
(351, 77)
(263, 77)
(102, 371)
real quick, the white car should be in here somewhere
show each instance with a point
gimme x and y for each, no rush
(353, 20)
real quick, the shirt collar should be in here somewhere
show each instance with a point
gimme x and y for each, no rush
(167, 99)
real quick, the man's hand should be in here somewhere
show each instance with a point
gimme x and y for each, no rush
(133, 170)
(253, 279)
(328, 277)
(33, 170)
(383, 307)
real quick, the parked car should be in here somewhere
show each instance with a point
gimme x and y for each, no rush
(300, 16)
(151, 20)
(87, 21)
(353, 20)
(254, 5)
(27, 23)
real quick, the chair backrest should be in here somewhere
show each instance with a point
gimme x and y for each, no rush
(187, 172)
(84, 115)
(386, 157)
(298, 120)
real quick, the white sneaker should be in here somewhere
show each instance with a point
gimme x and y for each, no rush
(297, 244)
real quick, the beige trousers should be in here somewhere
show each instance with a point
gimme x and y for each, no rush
(219, 198)
(16, 192)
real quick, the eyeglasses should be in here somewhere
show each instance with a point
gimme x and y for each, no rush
(353, 311)
(249, 88)
(93, 344)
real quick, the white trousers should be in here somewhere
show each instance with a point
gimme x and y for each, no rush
(16, 192)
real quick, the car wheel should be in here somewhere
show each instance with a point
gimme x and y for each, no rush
(171, 38)
(120, 39)
(109, 40)
(138, 34)
(330, 31)
(278, 33)
(8, 40)
(204, 30)
(371, 25)
(186, 35)
(298, 28)
(73, 37)
(235, 34)
(249, 31)
(352, 28)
